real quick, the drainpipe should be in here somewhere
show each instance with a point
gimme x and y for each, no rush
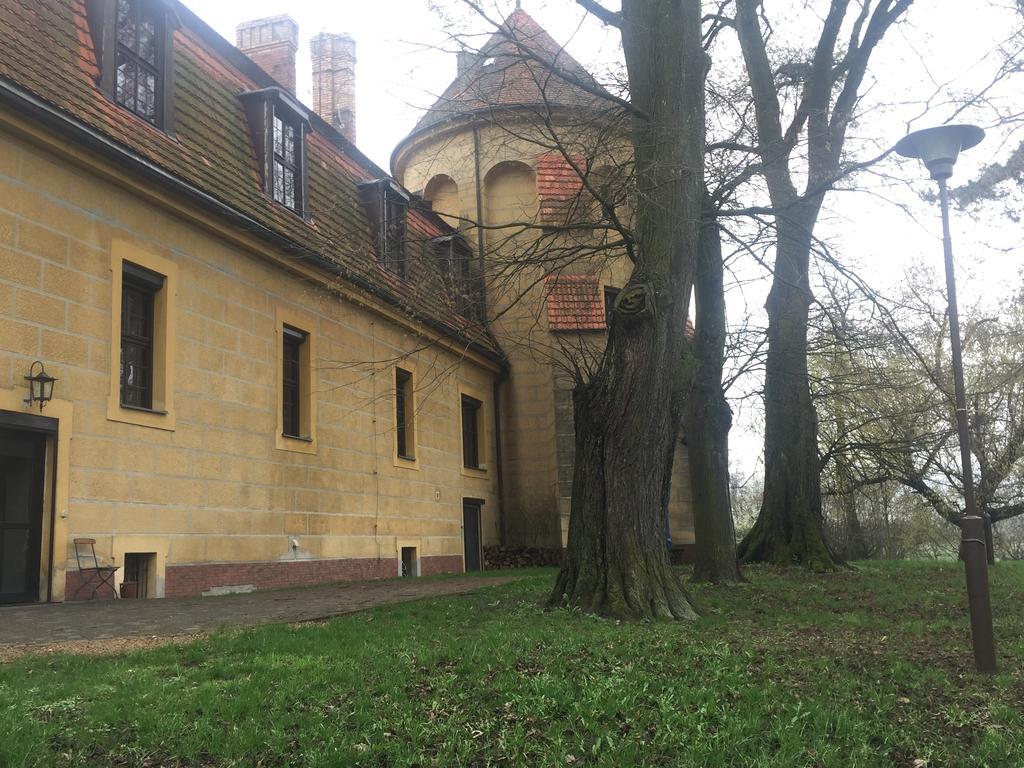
(502, 520)
(479, 209)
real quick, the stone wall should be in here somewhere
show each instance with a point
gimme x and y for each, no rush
(212, 485)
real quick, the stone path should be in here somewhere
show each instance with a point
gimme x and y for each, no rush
(111, 626)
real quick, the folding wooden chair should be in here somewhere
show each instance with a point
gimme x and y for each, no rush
(93, 573)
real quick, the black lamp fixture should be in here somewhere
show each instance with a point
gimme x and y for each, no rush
(40, 385)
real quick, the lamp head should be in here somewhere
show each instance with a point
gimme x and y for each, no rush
(40, 385)
(939, 147)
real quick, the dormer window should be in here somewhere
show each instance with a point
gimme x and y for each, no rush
(278, 125)
(455, 260)
(287, 168)
(139, 78)
(133, 42)
(387, 205)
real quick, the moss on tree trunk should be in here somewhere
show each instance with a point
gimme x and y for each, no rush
(616, 561)
(710, 418)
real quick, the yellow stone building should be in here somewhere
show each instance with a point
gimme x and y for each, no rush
(272, 362)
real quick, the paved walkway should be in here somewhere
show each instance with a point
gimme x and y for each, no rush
(104, 626)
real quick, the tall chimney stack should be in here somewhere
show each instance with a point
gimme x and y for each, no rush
(334, 81)
(271, 43)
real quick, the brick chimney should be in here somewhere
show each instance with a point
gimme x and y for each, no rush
(271, 43)
(334, 81)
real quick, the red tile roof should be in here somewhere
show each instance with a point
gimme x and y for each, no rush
(575, 303)
(46, 51)
(520, 66)
(558, 187)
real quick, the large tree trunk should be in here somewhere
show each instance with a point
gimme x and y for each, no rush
(789, 529)
(616, 560)
(710, 418)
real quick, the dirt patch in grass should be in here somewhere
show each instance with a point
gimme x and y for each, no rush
(104, 647)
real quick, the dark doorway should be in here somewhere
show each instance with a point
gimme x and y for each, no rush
(471, 533)
(22, 471)
(410, 563)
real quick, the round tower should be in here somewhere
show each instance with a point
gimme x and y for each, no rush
(508, 154)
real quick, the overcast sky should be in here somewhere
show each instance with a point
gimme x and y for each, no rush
(406, 58)
(404, 49)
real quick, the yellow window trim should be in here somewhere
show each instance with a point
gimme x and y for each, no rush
(482, 431)
(164, 339)
(308, 382)
(416, 544)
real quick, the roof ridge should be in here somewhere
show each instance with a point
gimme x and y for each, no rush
(488, 83)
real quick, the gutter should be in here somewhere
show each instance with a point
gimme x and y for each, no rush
(51, 117)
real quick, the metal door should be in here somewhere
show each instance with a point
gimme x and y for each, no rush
(22, 461)
(471, 534)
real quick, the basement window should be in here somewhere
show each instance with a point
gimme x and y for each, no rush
(410, 562)
(278, 125)
(133, 41)
(138, 570)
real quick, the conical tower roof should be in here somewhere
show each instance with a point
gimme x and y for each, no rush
(520, 66)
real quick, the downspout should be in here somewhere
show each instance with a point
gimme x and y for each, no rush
(502, 521)
(499, 474)
(479, 206)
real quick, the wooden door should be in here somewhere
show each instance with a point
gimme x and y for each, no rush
(471, 534)
(22, 460)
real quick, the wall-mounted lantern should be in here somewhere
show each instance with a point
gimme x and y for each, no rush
(40, 385)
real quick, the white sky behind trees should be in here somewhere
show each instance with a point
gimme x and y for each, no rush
(942, 51)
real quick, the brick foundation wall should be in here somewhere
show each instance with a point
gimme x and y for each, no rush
(682, 554)
(440, 564)
(190, 580)
(73, 580)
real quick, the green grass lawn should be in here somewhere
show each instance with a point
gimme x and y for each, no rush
(869, 667)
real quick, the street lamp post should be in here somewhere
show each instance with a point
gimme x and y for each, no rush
(938, 149)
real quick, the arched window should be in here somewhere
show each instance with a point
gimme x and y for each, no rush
(443, 194)
(510, 195)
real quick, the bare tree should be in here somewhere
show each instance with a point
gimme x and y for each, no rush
(827, 85)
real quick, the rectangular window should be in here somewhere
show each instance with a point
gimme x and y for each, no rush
(139, 288)
(139, 78)
(610, 294)
(286, 161)
(291, 382)
(387, 207)
(471, 432)
(405, 434)
(394, 209)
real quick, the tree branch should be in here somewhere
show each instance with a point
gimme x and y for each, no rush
(611, 18)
